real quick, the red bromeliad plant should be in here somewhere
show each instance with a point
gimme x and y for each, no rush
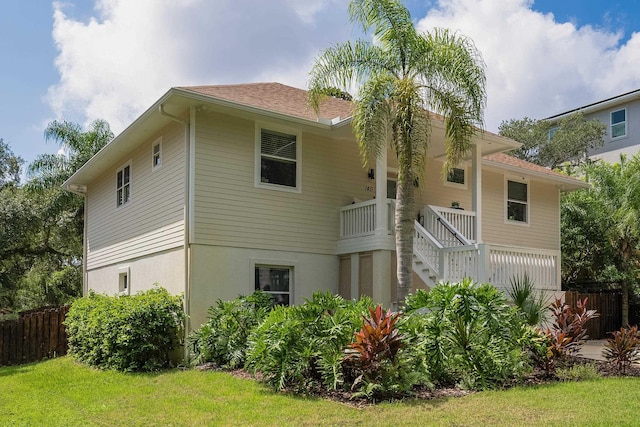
(568, 331)
(623, 348)
(377, 341)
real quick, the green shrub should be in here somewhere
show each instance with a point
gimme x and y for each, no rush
(585, 372)
(126, 333)
(302, 346)
(223, 338)
(466, 333)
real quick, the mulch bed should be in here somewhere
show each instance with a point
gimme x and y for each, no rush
(538, 377)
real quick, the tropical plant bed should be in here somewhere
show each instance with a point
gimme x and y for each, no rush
(597, 368)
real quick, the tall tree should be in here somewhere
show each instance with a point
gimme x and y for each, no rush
(601, 227)
(41, 225)
(548, 144)
(401, 77)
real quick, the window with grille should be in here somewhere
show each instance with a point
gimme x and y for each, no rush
(156, 154)
(123, 185)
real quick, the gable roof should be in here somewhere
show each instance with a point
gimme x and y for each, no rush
(599, 105)
(284, 101)
(279, 98)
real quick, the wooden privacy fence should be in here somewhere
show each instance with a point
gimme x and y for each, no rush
(608, 305)
(35, 335)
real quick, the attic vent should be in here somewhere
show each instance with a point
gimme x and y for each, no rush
(278, 144)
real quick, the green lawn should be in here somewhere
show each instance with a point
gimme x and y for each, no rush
(61, 392)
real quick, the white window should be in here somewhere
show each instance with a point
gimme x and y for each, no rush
(517, 201)
(123, 185)
(124, 285)
(275, 280)
(552, 132)
(278, 159)
(619, 123)
(156, 154)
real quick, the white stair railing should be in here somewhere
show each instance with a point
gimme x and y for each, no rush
(464, 222)
(443, 230)
(426, 248)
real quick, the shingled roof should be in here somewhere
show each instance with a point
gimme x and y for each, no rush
(277, 97)
(294, 102)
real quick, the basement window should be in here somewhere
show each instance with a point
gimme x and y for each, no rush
(275, 280)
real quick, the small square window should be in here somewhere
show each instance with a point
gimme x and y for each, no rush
(156, 154)
(123, 185)
(552, 132)
(619, 123)
(456, 176)
(275, 280)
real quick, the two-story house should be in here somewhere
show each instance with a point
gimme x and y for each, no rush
(216, 191)
(621, 114)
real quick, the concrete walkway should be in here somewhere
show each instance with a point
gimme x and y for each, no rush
(592, 349)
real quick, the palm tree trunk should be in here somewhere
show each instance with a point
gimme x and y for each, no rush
(625, 303)
(404, 228)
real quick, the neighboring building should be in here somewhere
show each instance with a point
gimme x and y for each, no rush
(621, 114)
(215, 191)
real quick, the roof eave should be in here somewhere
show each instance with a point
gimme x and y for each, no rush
(565, 183)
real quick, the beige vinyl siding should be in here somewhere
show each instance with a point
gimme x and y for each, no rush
(229, 210)
(543, 228)
(153, 220)
(435, 192)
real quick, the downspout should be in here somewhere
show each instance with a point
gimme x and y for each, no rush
(187, 214)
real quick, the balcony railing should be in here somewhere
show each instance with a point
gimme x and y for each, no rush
(359, 219)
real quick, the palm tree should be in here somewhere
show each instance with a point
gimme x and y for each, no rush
(401, 77)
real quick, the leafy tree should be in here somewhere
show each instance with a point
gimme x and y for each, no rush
(41, 225)
(10, 165)
(601, 227)
(551, 145)
(401, 77)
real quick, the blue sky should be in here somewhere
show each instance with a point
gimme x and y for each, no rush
(82, 60)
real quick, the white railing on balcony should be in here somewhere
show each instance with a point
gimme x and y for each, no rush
(427, 248)
(464, 222)
(359, 219)
(506, 263)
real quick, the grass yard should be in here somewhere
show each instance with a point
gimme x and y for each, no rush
(61, 392)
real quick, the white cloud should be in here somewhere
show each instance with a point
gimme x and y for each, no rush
(120, 61)
(536, 66)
